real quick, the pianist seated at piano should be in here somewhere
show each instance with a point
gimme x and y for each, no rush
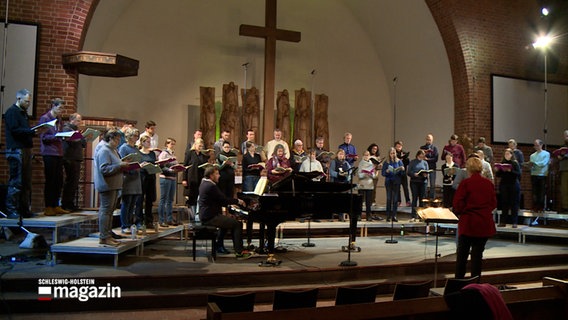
(211, 200)
(278, 165)
(339, 168)
(312, 165)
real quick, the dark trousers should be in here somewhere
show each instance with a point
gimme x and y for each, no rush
(146, 200)
(510, 199)
(538, 191)
(71, 185)
(228, 223)
(418, 189)
(53, 171)
(392, 198)
(477, 246)
(404, 184)
(366, 194)
(19, 193)
(448, 196)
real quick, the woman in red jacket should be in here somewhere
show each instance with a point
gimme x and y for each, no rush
(474, 203)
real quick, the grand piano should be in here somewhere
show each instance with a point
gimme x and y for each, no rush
(298, 196)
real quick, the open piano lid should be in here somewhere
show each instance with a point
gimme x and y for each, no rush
(302, 182)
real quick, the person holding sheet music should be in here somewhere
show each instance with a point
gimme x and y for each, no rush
(227, 169)
(251, 167)
(562, 156)
(148, 183)
(375, 156)
(539, 161)
(449, 171)
(339, 168)
(168, 179)
(474, 203)
(456, 149)
(19, 143)
(404, 157)
(72, 158)
(311, 164)
(393, 170)
(431, 157)
(193, 175)
(278, 165)
(298, 155)
(350, 150)
(322, 155)
(131, 183)
(51, 149)
(366, 174)
(509, 188)
(418, 172)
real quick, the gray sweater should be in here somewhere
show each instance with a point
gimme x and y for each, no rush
(108, 175)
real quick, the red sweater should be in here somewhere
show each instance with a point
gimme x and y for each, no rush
(474, 202)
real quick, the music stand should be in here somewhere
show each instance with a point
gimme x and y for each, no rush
(352, 227)
(436, 215)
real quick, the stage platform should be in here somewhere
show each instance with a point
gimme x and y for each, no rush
(53, 222)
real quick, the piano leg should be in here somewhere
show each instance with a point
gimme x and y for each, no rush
(249, 233)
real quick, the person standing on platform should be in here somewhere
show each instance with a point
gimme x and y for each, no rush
(487, 172)
(270, 145)
(108, 182)
(474, 203)
(131, 184)
(366, 175)
(539, 161)
(417, 171)
(192, 176)
(339, 170)
(250, 138)
(375, 154)
(404, 156)
(350, 150)
(487, 151)
(518, 153)
(251, 169)
(449, 171)
(509, 188)
(168, 179)
(51, 149)
(563, 170)
(227, 170)
(298, 154)
(72, 158)
(211, 200)
(19, 143)
(456, 150)
(148, 182)
(431, 152)
(218, 145)
(323, 158)
(393, 170)
(311, 164)
(150, 131)
(278, 165)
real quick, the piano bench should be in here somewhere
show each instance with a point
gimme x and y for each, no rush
(197, 231)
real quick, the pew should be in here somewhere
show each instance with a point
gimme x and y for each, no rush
(547, 302)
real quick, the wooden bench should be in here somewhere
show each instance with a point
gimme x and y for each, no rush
(546, 302)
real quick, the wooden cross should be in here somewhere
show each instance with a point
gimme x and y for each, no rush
(270, 34)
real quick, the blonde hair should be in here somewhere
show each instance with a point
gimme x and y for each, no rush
(197, 143)
(473, 165)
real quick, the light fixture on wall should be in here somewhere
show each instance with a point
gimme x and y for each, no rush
(543, 43)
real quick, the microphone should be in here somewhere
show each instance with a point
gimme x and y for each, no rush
(245, 64)
(313, 72)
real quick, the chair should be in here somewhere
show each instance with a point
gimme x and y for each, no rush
(233, 303)
(203, 232)
(288, 299)
(355, 295)
(454, 285)
(403, 291)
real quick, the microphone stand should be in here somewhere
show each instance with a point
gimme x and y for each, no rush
(352, 227)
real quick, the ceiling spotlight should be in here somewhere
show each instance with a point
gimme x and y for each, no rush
(544, 11)
(542, 42)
